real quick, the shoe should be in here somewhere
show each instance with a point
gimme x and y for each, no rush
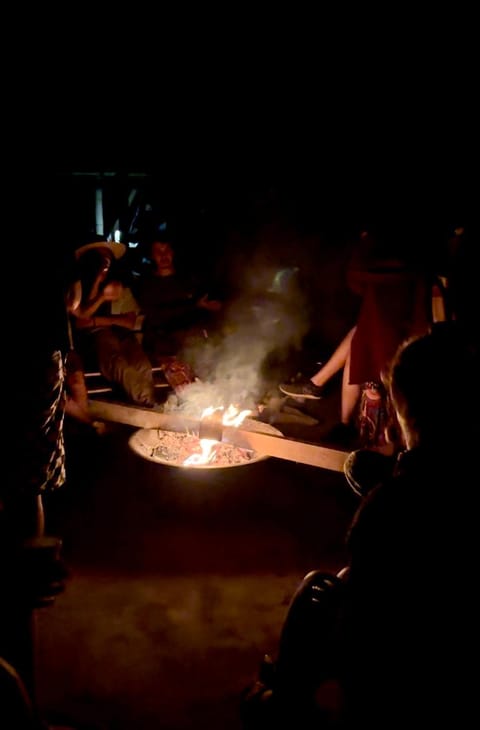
(305, 389)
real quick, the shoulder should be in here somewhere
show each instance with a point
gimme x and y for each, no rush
(379, 509)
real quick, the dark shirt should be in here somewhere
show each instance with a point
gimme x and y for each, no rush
(409, 625)
(168, 302)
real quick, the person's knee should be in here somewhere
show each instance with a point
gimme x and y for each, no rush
(113, 364)
(317, 577)
(314, 586)
(365, 469)
(313, 576)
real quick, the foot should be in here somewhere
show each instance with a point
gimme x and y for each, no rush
(304, 389)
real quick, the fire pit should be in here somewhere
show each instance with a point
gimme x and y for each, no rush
(264, 440)
(187, 450)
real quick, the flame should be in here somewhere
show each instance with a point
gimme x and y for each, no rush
(209, 411)
(207, 455)
(232, 416)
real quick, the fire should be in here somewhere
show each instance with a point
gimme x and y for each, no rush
(207, 455)
(232, 416)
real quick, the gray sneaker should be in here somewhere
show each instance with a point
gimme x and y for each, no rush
(305, 389)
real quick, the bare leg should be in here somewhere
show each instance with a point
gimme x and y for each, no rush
(350, 392)
(336, 362)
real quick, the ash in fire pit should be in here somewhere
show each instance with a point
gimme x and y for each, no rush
(189, 451)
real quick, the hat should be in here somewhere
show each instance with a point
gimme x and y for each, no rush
(116, 249)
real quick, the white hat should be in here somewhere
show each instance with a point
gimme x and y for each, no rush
(116, 248)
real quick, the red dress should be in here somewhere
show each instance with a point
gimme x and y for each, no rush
(395, 306)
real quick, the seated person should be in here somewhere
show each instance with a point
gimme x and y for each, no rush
(365, 468)
(109, 337)
(173, 307)
(393, 307)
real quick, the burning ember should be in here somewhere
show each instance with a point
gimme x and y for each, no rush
(188, 450)
(184, 449)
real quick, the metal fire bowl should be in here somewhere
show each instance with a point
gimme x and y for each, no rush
(143, 441)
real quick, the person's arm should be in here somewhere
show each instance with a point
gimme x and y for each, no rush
(85, 312)
(73, 296)
(211, 305)
(127, 320)
(83, 309)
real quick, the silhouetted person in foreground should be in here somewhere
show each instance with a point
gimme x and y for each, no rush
(391, 643)
(31, 572)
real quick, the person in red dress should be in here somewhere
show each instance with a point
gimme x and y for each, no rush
(394, 306)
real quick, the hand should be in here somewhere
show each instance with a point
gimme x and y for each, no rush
(212, 305)
(103, 270)
(112, 291)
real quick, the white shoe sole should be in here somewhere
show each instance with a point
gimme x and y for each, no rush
(303, 396)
